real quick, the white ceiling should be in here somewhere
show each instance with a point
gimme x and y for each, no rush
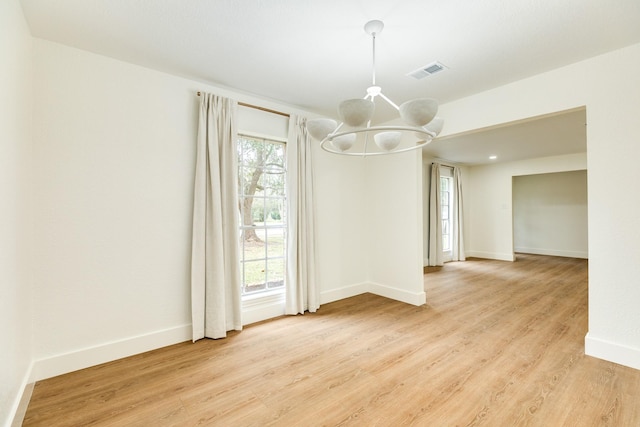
(312, 54)
(552, 135)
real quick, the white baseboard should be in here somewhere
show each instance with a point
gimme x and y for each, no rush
(611, 351)
(374, 288)
(342, 293)
(270, 307)
(418, 298)
(553, 252)
(491, 255)
(83, 358)
(21, 399)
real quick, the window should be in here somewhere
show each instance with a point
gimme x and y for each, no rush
(261, 183)
(446, 199)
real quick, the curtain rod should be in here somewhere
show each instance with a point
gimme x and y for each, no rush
(444, 164)
(257, 107)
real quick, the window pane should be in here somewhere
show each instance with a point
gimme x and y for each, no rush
(252, 182)
(254, 275)
(275, 276)
(445, 242)
(445, 212)
(445, 227)
(253, 244)
(261, 188)
(444, 198)
(275, 242)
(251, 210)
(273, 178)
(444, 184)
(274, 211)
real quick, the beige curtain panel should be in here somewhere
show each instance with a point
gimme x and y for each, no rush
(215, 260)
(301, 285)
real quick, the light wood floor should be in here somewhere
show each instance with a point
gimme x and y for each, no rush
(498, 344)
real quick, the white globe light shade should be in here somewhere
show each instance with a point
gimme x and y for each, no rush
(344, 142)
(356, 112)
(373, 27)
(320, 128)
(435, 125)
(419, 112)
(387, 141)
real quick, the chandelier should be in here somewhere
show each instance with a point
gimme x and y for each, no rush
(355, 115)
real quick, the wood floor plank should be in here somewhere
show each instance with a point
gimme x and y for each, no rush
(498, 343)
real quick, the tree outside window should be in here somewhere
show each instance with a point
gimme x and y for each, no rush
(261, 181)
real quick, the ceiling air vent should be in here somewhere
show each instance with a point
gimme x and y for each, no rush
(427, 70)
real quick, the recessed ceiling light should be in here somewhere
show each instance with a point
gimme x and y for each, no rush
(493, 157)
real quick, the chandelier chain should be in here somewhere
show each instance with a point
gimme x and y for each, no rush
(373, 68)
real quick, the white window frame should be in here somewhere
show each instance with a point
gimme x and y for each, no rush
(447, 173)
(258, 300)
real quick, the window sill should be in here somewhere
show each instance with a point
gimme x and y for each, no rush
(262, 306)
(260, 297)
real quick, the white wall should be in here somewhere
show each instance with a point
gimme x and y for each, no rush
(15, 211)
(341, 225)
(371, 237)
(612, 103)
(113, 160)
(394, 230)
(488, 202)
(114, 155)
(550, 214)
